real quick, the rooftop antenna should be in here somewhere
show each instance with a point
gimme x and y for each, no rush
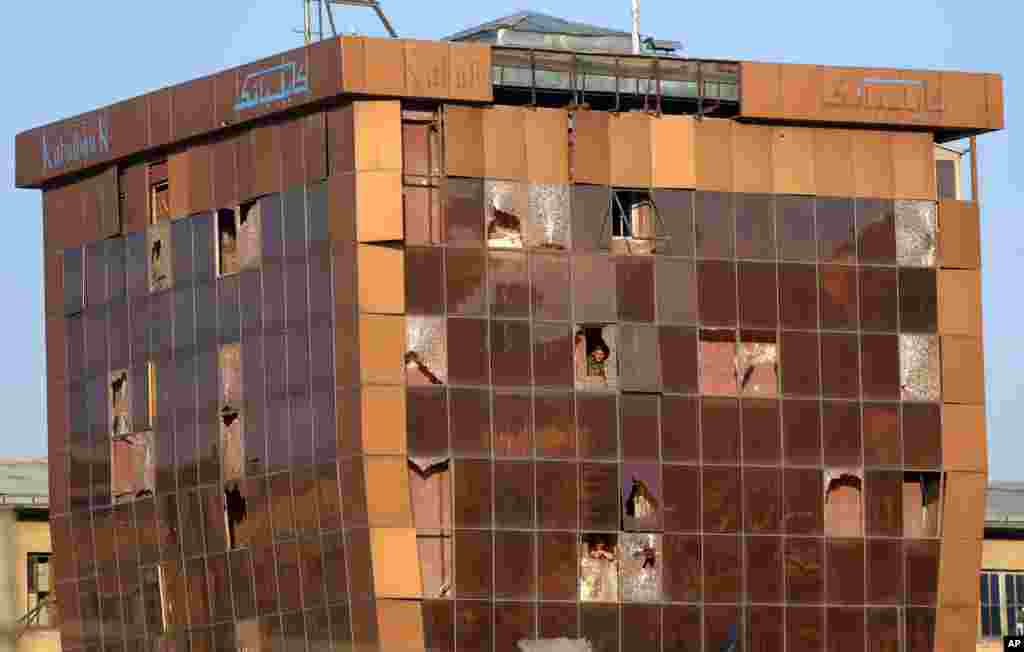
(327, 6)
(636, 26)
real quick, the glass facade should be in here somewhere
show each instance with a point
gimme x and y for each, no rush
(650, 417)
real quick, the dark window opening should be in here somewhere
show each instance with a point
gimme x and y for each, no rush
(504, 230)
(636, 226)
(159, 192)
(593, 355)
(227, 242)
(234, 512)
(945, 175)
(120, 412)
(921, 492)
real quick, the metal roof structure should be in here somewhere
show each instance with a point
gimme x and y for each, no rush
(520, 26)
(24, 482)
(1004, 506)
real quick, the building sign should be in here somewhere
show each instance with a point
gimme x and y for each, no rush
(917, 95)
(91, 138)
(272, 85)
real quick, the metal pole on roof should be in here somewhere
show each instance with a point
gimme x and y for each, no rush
(372, 4)
(306, 29)
(636, 26)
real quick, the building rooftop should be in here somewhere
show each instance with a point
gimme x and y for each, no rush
(24, 481)
(534, 29)
(533, 59)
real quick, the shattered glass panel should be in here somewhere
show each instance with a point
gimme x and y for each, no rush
(915, 233)
(594, 356)
(757, 364)
(549, 216)
(641, 567)
(426, 359)
(132, 466)
(599, 568)
(919, 367)
(506, 205)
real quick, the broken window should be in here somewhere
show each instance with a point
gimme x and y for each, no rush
(641, 505)
(506, 205)
(636, 227)
(238, 238)
(757, 364)
(159, 192)
(158, 244)
(916, 237)
(594, 357)
(641, 567)
(430, 485)
(235, 511)
(227, 242)
(230, 364)
(426, 360)
(120, 409)
(921, 505)
(39, 589)
(132, 466)
(549, 216)
(919, 367)
(844, 505)
(599, 567)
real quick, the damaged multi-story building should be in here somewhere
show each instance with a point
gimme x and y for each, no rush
(516, 341)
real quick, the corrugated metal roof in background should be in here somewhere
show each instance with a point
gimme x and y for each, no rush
(24, 481)
(1004, 504)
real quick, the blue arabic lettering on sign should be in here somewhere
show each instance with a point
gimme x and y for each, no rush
(272, 85)
(85, 141)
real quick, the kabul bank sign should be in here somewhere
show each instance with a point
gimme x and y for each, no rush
(89, 139)
(917, 95)
(272, 85)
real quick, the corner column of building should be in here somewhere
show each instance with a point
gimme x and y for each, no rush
(963, 424)
(384, 565)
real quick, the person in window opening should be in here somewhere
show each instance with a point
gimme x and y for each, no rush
(599, 579)
(641, 502)
(228, 246)
(592, 354)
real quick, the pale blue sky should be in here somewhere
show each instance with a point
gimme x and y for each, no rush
(70, 57)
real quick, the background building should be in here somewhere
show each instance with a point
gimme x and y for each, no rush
(27, 611)
(436, 345)
(1002, 565)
